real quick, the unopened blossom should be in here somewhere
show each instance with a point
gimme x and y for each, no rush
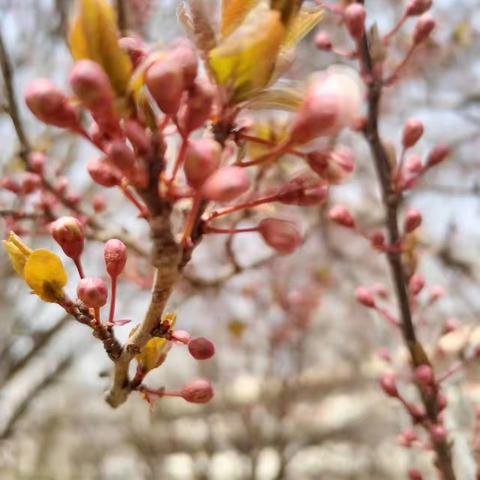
(115, 256)
(282, 235)
(202, 158)
(68, 233)
(197, 391)
(225, 184)
(333, 101)
(201, 348)
(165, 82)
(412, 132)
(50, 105)
(92, 291)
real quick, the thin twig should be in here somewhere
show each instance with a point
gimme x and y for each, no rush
(391, 202)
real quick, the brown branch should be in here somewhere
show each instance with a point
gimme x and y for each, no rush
(166, 257)
(391, 201)
(40, 339)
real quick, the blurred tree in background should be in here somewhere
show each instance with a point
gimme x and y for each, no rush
(355, 356)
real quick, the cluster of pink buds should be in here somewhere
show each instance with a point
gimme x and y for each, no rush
(412, 168)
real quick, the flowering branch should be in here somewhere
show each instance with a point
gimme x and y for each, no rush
(391, 201)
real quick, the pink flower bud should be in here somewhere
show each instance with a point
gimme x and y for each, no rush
(8, 183)
(50, 105)
(388, 384)
(196, 110)
(377, 240)
(180, 336)
(198, 391)
(323, 41)
(332, 102)
(423, 28)
(438, 433)
(134, 48)
(115, 256)
(407, 438)
(225, 184)
(414, 474)
(37, 161)
(202, 158)
(99, 202)
(121, 156)
(332, 165)
(437, 155)
(384, 354)
(303, 190)
(91, 85)
(61, 184)
(424, 375)
(282, 235)
(413, 219)
(137, 135)
(416, 284)
(442, 401)
(29, 182)
(92, 291)
(340, 215)
(317, 116)
(201, 348)
(451, 324)
(185, 57)
(355, 19)
(413, 165)
(364, 297)
(412, 132)
(437, 292)
(165, 82)
(417, 7)
(68, 233)
(103, 173)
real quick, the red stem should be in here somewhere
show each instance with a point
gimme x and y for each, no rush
(209, 229)
(132, 199)
(241, 206)
(112, 301)
(79, 266)
(192, 215)
(395, 28)
(179, 160)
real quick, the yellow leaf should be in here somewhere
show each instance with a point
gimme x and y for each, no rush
(94, 35)
(45, 275)
(154, 352)
(278, 98)
(244, 62)
(17, 251)
(233, 14)
(301, 25)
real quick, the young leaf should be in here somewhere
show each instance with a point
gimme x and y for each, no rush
(243, 63)
(233, 14)
(93, 34)
(278, 98)
(301, 25)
